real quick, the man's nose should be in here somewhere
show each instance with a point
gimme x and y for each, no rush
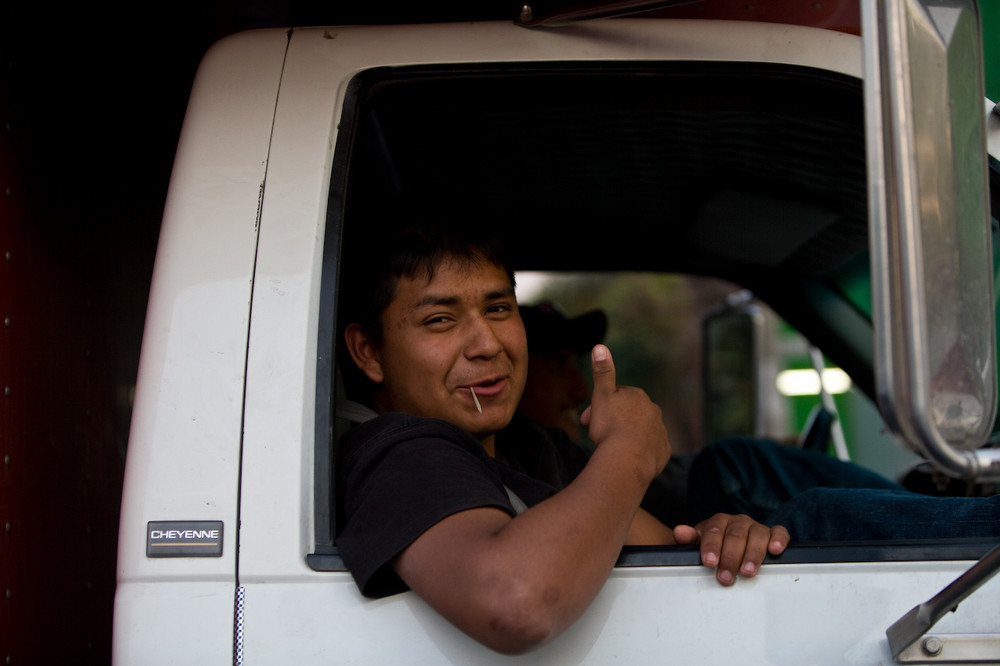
(483, 341)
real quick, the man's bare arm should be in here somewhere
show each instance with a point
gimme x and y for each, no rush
(514, 583)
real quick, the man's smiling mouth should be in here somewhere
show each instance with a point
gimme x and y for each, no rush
(485, 388)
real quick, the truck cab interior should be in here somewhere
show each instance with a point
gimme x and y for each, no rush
(753, 174)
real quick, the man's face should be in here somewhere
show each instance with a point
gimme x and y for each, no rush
(555, 392)
(445, 338)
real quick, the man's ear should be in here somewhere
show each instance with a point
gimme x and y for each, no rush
(364, 352)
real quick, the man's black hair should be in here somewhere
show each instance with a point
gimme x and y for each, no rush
(409, 241)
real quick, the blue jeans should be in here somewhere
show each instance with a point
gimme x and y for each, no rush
(819, 498)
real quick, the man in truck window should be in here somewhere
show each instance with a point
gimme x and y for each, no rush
(508, 540)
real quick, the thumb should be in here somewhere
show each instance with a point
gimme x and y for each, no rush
(603, 369)
(686, 535)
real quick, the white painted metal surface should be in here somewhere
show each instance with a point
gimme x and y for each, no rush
(790, 614)
(184, 450)
(184, 446)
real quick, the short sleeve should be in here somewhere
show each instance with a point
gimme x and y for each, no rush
(400, 476)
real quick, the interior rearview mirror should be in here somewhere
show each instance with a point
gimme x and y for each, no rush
(932, 270)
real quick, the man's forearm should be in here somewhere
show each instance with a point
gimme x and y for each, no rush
(515, 583)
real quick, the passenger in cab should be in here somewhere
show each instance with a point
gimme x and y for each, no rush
(504, 530)
(556, 393)
(817, 497)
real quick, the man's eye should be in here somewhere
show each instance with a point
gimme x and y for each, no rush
(499, 308)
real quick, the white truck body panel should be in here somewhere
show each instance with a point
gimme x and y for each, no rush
(184, 451)
(224, 419)
(789, 614)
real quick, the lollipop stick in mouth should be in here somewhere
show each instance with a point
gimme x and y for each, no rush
(476, 399)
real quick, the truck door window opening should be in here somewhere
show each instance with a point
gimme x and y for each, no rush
(701, 172)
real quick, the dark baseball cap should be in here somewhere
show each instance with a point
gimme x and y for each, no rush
(549, 330)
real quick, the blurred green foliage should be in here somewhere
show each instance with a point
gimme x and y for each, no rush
(989, 14)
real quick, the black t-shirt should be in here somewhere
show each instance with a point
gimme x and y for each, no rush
(399, 474)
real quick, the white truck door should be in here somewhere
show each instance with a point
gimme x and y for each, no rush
(299, 605)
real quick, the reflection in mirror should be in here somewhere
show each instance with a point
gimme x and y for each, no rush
(930, 230)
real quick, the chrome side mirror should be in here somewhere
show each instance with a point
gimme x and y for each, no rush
(932, 270)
